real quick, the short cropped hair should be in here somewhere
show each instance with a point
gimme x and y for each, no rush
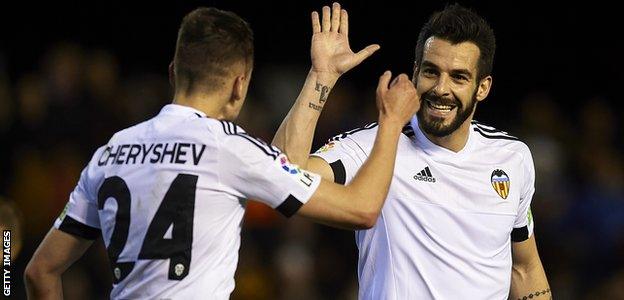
(209, 42)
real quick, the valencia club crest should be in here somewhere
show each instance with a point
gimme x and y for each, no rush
(500, 183)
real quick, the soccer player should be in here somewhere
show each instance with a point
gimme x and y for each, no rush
(167, 195)
(457, 223)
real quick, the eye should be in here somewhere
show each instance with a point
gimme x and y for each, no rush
(429, 72)
(460, 77)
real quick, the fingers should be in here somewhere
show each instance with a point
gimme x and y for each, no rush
(316, 24)
(402, 80)
(344, 23)
(382, 86)
(366, 52)
(335, 17)
(326, 20)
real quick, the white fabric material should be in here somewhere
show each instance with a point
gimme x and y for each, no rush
(230, 167)
(442, 239)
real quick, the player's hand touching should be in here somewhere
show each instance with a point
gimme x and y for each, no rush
(397, 101)
(330, 51)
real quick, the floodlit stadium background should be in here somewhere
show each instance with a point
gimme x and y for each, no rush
(73, 74)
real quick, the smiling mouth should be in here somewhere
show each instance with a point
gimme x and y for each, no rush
(442, 108)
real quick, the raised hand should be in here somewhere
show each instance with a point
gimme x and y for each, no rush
(397, 101)
(330, 49)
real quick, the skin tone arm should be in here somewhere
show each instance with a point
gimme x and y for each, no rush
(358, 204)
(330, 204)
(331, 57)
(527, 274)
(57, 252)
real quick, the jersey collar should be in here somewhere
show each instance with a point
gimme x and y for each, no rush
(434, 150)
(181, 110)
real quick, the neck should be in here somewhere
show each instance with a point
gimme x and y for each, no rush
(455, 141)
(210, 104)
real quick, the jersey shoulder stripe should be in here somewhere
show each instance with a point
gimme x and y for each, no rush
(350, 132)
(232, 129)
(490, 132)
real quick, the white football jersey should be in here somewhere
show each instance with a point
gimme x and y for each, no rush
(168, 196)
(446, 228)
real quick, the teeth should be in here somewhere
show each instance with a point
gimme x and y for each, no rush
(440, 107)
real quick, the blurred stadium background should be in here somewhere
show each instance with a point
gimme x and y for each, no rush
(71, 74)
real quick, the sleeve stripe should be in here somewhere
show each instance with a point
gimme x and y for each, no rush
(490, 136)
(491, 132)
(344, 135)
(340, 174)
(73, 227)
(271, 147)
(489, 129)
(290, 206)
(267, 149)
(520, 234)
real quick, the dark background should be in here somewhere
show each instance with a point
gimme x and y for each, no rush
(71, 74)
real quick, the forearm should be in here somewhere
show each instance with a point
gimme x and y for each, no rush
(57, 252)
(296, 132)
(357, 205)
(377, 170)
(43, 286)
(529, 280)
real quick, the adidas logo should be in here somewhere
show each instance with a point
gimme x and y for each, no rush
(425, 175)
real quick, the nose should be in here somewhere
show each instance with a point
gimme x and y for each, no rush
(441, 89)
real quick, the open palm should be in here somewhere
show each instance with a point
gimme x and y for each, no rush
(330, 49)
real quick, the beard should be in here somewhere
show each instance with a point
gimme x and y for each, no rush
(435, 125)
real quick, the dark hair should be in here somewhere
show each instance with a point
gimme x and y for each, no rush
(209, 42)
(458, 24)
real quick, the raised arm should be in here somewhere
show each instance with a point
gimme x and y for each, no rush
(358, 204)
(331, 57)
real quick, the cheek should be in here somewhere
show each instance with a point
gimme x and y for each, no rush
(464, 93)
(424, 85)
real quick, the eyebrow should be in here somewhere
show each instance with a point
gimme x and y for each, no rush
(429, 64)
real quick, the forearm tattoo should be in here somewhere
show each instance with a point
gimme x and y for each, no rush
(536, 294)
(314, 106)
(324, 92)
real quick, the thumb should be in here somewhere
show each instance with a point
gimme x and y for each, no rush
(366, 52)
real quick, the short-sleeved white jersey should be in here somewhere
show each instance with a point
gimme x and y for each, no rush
(168, 196)
(446, 228)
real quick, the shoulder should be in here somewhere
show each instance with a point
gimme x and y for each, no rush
(490, 136)
(234, 137)
(364, 135)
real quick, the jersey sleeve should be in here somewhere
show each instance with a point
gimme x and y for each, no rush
(80, 215)
(255, 170)
(345, 157)
(523, 225)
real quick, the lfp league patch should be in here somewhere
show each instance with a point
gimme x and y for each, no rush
(326, 147)
(302, 176)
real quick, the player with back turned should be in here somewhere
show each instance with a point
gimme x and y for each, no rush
(168, 195)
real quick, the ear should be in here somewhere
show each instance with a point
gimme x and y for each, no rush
(238, 90)
(415, 74)
(171, 75)
(483, 89)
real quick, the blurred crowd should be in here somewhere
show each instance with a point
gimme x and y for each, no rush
(53, 118)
